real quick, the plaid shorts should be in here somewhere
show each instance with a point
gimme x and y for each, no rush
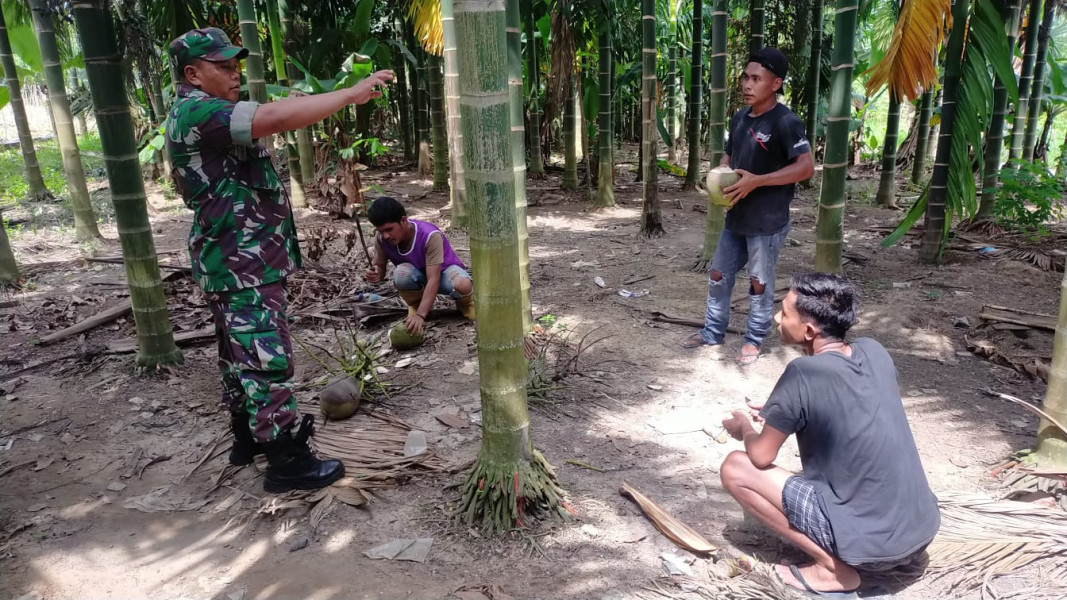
(801, 503)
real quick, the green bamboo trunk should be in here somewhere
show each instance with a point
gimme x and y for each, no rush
(696, 78)
(936, 222)
(296, 179)
(994, 138)
(305, 149)
(510, 479)
(518, 154)
(453, 125)
(755, 23)
(1051, 448)
(926, 105)
(716, 215)
(811, 90)
(651, 219)
(402, 100)
(103, 65)
(605, 189)
(257, 85)
(570, 138)
(828, 232)
(537, 163)
(670, 88)
(1037, 91)
(1026, 78)
(9, 270)
(38, 190)
(437, 123)
(80, 125)
(887, 185)
(84, 218)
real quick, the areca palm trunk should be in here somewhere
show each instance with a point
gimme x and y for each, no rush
(828, 229)
(404, 104)
(935, 220)
(1038, 88)
(570, 138)
(1061, 168)
(1051, 448)
(510, 479)
(755, 24)
(605, 193)
(518, 154)
(696, 77)
(533, 70)
(994, 138)
(1026, 78)
(422, 111)
(305, 146)
(671, 87)
(811, 90)
(651, 219)
(38, 189)
(9, 270)
(257, 85)
(452, 124)
(887, 192)
(716, 214)
(922, 140)
(84, 218)
(103, 65)
(437, 123)
(281, 69)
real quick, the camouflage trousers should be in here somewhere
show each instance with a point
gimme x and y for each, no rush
(256, 356)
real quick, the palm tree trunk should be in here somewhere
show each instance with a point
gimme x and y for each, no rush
(437, 123)
(716, 214)
(936, 223)
(994, 139)
(257, 85)
(304, 146)
(510, 479)
(1037, 91)
(1026, 78)
(1061, 168)
(422, 120)
(38, 190)
(926, 105)
(533, 71)
(651, 219)
(692, 135)
(84, 218)
(570, 139)
(887, 185)
(828, 228)
(518, 154)
(755, 24)
(9, 271)
(1051, 448)
(453, 127)
(803, 46)
(281, 69)
(403, 101)
(155, 339)
(605, 193)
(671, 89)
(935, 129)
(811, 90)
(80, 126)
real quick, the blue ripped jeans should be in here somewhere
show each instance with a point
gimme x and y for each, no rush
(734, 251)
(407, 277)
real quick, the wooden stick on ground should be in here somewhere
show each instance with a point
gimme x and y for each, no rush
(105, 316)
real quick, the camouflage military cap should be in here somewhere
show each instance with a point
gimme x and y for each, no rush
(205, 44)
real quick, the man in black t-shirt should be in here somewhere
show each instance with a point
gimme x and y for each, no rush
(767, 147)
(863, 502)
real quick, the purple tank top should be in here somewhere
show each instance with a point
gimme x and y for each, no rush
(417, 254)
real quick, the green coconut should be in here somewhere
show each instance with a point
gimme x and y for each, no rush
(340, 398)
(718, 179)
(402, 339)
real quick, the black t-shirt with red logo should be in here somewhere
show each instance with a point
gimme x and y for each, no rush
(763, 145)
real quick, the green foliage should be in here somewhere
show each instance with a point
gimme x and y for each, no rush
(13, 184)
(1030, 198)
(368, 148)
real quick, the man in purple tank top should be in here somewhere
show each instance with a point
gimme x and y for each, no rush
(424, 260)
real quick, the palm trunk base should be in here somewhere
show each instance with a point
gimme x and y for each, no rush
(1051, 452)
(887, 197)
(149, 361)
(509, 495)
(652, 226)
(425, 161)
(712, 232)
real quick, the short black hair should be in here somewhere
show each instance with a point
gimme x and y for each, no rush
(827, 300)
(385, 209)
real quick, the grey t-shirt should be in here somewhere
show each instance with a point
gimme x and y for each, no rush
(856, 448)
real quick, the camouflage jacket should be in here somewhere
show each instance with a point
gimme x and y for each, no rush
(243, 233)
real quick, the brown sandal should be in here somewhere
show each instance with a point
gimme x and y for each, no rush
(743, 358)
(693, 342)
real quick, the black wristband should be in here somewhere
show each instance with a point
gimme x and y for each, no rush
(421, 317)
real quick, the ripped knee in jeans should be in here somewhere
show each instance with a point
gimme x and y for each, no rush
(756, 288)
(715, 276)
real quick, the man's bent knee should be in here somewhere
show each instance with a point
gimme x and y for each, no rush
(716, 275)
(757, 287)
(462, 284)
(733, 468)
(406, 277)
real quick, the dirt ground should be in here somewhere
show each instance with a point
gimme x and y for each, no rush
(73, 428)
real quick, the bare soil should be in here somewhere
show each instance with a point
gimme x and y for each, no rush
(632, 410)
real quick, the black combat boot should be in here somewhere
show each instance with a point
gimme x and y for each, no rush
(245, 447)
(292, 466)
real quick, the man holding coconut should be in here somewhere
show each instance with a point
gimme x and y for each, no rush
(769, 151)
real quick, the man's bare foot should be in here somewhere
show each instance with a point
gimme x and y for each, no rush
(815, 577)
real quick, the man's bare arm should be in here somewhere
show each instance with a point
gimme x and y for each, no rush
(295, 113)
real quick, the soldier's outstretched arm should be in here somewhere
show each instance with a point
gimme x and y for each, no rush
(295, 113)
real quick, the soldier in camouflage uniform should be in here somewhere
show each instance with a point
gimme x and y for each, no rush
(243, 244)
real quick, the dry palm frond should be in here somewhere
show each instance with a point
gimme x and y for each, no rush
(561, 70)
(981, 538)
(1038, 258)
(910, 64)
(426, 17)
